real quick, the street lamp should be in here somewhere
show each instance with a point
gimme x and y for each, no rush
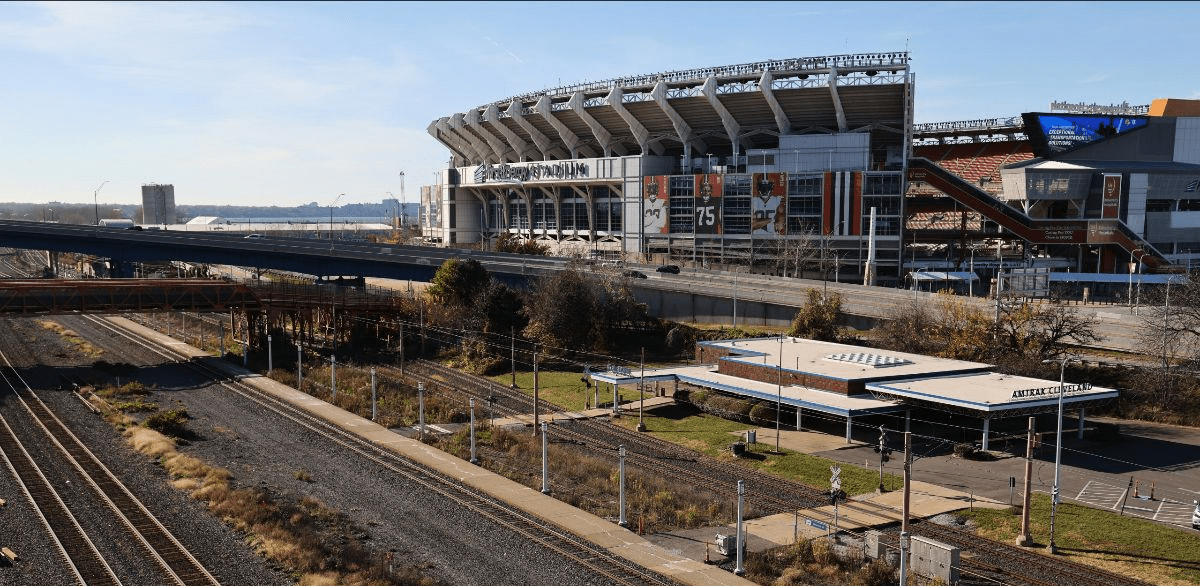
(339, 198)
(96, 201)
(778, 392)
(1138, 298)
(1129, 293)
(1054, 497)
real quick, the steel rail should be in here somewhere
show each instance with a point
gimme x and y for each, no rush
(156, 541)
(595, 558)
(78, 551)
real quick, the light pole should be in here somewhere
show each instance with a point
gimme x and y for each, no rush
(339, 198)
(1138, 298)
(96, 201)
(1054, 497)
(1129, 293)
(778, 392)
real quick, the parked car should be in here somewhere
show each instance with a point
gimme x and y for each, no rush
(634, 274)
(673, 269)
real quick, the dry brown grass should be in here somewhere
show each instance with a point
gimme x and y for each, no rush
(81, 345)
(314, 542)
(591, 482)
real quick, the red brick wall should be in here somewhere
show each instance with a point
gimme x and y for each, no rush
(766, 373)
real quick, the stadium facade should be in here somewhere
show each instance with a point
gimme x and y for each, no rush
(737, 164)
(815, 162)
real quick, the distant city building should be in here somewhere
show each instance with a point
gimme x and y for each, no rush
(158, 204)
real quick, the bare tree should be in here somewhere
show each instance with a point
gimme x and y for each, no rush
(1170, 325)
(1041, 330)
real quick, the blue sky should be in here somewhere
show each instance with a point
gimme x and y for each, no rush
(272, 103)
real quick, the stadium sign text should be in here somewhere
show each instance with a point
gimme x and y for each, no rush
(1054, 390)
(533, 172)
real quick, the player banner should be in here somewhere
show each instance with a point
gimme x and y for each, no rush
(708, 204)
(654, 204)
(768, 207)
(1111, 205)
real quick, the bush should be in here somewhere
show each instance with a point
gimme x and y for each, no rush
(763, 412)
(172, 422)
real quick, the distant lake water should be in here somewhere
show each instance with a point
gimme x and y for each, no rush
(313, 220)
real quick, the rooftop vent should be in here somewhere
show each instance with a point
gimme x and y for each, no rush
(866, 359)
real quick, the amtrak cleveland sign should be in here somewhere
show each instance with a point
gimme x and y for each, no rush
(1054, 390)
(505, 172)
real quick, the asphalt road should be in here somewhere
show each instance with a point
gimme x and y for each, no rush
(1162, 460)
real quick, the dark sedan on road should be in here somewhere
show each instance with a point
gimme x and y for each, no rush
(673, 269)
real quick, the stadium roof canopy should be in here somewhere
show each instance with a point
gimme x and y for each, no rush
(709, 109)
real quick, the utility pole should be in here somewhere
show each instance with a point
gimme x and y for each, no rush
(1024, 538)
(908, 460)
(641, 426)
(535, 391)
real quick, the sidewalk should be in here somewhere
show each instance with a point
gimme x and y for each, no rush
(857, 514)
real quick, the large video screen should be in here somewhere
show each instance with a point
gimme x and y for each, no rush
(1055, 133)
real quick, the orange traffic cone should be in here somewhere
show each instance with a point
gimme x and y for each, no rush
(1135, 488)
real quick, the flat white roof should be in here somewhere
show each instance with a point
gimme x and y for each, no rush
(794, 395)
(992, 391)
(802, 355)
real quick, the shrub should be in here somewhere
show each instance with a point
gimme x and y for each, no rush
(172, 422)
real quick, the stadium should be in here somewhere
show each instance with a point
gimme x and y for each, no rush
(815, 164)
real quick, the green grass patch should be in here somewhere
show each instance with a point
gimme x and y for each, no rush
(708, 434)
(712, 435)
(565, 389)
(135, 406)
(1155, 553)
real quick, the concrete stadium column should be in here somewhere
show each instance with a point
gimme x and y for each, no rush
(500, 151)
(799, 411)
(781, 119)
(1081, 419)
(639, 132)
(682, 129)
(491, 115)
(602, 134)
(516, 111)
(732, 128)
(545, 108)
(987, 423)
(472, 142)
(552, 193)
(442, 131)
(849, 421)
(837, 101)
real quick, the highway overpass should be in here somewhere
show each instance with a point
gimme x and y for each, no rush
(695, 295)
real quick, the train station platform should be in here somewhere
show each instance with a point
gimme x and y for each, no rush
(617, 540)
(627, 408)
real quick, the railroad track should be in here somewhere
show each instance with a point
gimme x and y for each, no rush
(78, 552)
(984, 561)
(595, 558)
(154, 541)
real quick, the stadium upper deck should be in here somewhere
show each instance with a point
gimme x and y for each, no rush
(729, 109)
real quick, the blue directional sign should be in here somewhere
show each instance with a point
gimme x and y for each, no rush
(816, 524)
